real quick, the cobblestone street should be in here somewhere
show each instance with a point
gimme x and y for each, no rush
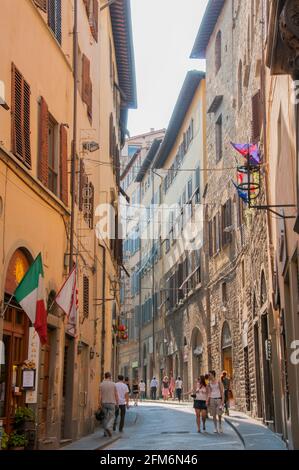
(169, 427)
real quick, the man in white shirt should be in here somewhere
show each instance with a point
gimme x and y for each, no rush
(123, 402)
(154, 386)
(178, 388)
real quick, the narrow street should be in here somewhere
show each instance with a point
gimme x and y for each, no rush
(167, 427)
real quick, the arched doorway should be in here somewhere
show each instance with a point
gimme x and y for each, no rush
(15, 340)
(226, 347)
(197, 354)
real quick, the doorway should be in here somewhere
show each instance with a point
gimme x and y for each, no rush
(15, 341)
(67, 388)
(267, 366)
(227, 350)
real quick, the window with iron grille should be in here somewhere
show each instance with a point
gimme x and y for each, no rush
(256, 117)
(54, 18)
(20, 117)
(218, 51)
(219, 144)
(226, 222)
(85, 296)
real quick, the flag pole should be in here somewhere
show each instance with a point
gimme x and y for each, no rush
(7, 305)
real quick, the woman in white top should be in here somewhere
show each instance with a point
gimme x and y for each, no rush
(215, 400)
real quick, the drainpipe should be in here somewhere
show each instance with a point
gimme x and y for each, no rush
(74, 142)
(103, 333)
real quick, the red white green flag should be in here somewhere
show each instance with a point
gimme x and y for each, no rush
(31, 296)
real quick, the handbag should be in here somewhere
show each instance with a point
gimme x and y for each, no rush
(193, 395)
(99, 415)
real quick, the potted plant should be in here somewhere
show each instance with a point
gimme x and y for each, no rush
(23, 416)
(4, 441)
(17, 441)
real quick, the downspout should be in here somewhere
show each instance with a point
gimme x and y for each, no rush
(103, 333)
(74, 142)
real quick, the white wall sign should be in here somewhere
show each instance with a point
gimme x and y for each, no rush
(33, 355)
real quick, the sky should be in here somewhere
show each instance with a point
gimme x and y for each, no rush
(164, 32)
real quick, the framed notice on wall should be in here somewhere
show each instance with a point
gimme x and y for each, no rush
(28, 379)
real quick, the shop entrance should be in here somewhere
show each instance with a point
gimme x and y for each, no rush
(227, 353)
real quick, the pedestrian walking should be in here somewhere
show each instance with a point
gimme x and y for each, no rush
(227, 391)
(142, 388)
(215, 400)
(165, 388)
(171, 386)
(200, 396)
(123, 403)
(153, 387)
(178, 388)
(108, 399)
(135, 391)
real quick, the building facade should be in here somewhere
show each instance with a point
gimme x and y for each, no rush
(37, 128)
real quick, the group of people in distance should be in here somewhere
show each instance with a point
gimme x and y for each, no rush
(209, 394)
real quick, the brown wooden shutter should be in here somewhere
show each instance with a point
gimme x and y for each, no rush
(211, 238)
(43, 142)
(63, 165)
(82, 183)
(85, 79)
(89, 103)
(85, 296)
(42, 4)
(256, 117)
(86, 3)
(94, 25)
(91, 202)
(20, 129)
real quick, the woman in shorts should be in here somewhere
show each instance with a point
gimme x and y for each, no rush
(200, 402)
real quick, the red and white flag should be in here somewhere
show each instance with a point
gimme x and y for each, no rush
(68, 301)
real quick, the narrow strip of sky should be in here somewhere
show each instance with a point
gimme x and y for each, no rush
(164, 33)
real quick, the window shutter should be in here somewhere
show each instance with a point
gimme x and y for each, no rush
(85, 79)
(256, 117)
(63, 165)
(89, 103)
(58, 21)
(27, 150)
(43, 142)
(42, 4)
(94, 25)
(82, 183)
(85, 296)
(86, 3)
(54, 18)
(20, 129)
(218, 139)
(91, 202)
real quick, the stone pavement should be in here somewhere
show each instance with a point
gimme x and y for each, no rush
(253, 434)
(97, 440)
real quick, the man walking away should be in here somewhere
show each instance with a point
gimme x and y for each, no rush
(123, 400)
(178, 388)
(154, 386)
(108, 399)
(226, 387)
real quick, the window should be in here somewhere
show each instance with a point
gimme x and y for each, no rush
(42, 4)
(20, 117)
(240, 85)
(256, 117)
(226, 223)
(53, 156)
(132, 149)
(211, 244)
(85, 296)
(54, 18)
(86, 92)
(218, 51)
(92, 10)
(218, 131)
(224, 296)
(243, 273)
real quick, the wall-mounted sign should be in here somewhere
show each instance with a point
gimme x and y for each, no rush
(28, 379)
(33, 356)
(135, 365)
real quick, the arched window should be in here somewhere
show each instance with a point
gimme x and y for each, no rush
(218, 51)
(240, 85)
(263, 289)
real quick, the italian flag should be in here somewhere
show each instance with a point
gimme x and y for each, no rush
(30, 295)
